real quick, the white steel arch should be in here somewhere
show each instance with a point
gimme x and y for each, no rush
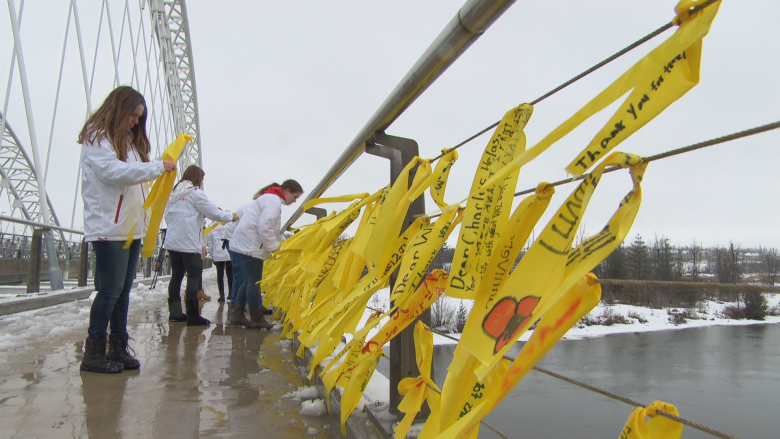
(157, 61)
(19, 179)
(172, 29)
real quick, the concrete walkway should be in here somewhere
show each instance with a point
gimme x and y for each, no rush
(207, 382)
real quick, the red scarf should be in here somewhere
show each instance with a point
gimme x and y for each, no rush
(276, 190)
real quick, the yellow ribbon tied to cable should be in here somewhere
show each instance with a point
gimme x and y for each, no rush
(638, 427)
(481, 398)
(657, 80)
(417, 390)
(489, 205)
(440, 176)
(158, 196)
(493, 328)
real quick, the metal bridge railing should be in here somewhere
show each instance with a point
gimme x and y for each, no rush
(471, 21)
(29, 249)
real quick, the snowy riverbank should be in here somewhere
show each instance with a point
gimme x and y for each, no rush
(637, 319)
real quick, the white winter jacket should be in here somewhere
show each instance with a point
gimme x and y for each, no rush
(214, 243)
(187, 206)
(257, 233)
(113, 192)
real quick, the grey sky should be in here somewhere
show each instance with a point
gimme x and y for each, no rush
(283, 87)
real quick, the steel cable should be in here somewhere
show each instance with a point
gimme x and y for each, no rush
(606, 61)
(629, 401)
(696, 285)
(663, 155)
(584, 385)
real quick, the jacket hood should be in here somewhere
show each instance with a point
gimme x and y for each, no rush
(183, 188)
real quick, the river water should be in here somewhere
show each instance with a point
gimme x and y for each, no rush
(725, 377)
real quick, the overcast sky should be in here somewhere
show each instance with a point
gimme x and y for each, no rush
(284, 87)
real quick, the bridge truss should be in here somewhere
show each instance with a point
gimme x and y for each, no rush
(144, 44)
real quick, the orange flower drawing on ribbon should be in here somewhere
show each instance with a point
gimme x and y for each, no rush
(507, 318)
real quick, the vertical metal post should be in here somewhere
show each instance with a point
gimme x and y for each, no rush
(89, 105)
(147, 264)
(83, 263)
(55, 275)
(34, 269)
(318, 212)
(403, 363)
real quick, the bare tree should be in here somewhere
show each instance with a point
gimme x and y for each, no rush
(770, 264)
(582, 234)
(728, 268)
(695, 251)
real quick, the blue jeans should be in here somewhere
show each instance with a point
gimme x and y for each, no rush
(238, 275)
(114, 274)
(249, 291)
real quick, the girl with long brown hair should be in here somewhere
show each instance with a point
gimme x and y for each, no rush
(115, 163)
(187, 206)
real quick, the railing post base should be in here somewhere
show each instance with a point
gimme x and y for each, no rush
(34, 269)
(403, 362)
(83, 263)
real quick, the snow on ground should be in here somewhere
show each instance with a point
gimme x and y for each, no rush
(71, 319)
(313, 408)
(18, 331)
(643, 319)
(303, 394)
(639, 318)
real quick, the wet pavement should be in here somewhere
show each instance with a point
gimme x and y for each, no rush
(207, 382)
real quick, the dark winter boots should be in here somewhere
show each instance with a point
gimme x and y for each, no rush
(95, 358)
(193, 314)
(257, 321)
(117, 351)
(175, 312)
(238, 316)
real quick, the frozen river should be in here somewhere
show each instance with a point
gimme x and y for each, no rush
(725, 377)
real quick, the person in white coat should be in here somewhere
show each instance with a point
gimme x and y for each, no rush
(187, 206)
(255, 238)
(235, 260)
(114, 165)
(217, 244)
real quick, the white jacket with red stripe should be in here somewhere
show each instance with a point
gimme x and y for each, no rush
(184, 214)
(113, 192)
(257, 233)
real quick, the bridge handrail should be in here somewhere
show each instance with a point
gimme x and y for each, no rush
(11, 219)
(471, 21)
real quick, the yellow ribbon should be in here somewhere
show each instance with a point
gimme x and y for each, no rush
(158, 196)
(441, 175)
(472, 406)
(342, 198)
(523, 296)
(420, 253)
(639, 427)
(489, 205)
(209, 229)
(416, 390)
(690, 31)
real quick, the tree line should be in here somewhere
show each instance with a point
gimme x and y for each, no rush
(658, 259)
